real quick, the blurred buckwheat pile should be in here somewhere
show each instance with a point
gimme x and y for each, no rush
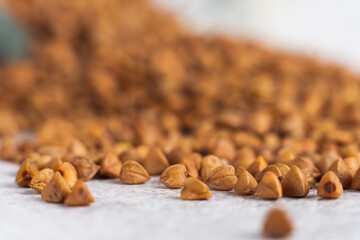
(119, 87)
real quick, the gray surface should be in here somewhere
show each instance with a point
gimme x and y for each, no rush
(151, 211)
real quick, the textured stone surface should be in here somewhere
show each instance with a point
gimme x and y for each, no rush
(151, 211)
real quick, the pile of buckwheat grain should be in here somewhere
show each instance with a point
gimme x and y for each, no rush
(119, 89)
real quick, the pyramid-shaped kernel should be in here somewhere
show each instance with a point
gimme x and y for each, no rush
(277, 224)
(56, 190)
(110, 166)
(69, 173)
(133, 173)
(209, 163)
(306, 164)
(271, 168)
(85, 167)
(174, 176)
(79, 196)
(176, 155)
(41, 179)
(239, 170)
(222, 178)
(194, 189)
(353, 164)
(246, 184)
(26, 172)
(284, 169)
(196, 159)
(155, 161)
(295, 183)
(257, 166)
(54, 164)
(330, 186)
(269, 187)
(341, 169)
(191, 169)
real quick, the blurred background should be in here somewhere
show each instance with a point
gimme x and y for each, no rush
(12, 38)
(325, 28)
